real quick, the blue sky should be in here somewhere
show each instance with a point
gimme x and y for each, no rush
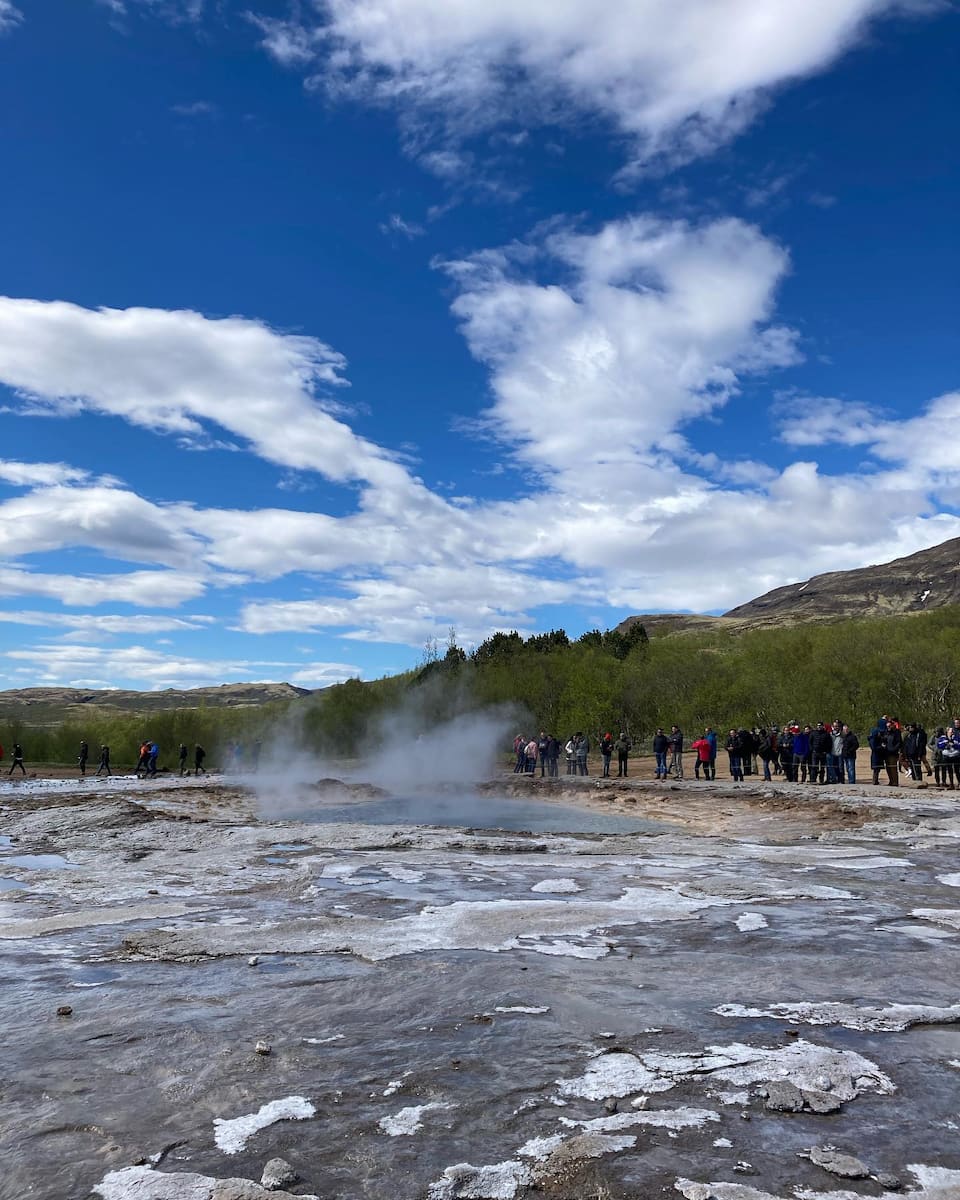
(328, 327)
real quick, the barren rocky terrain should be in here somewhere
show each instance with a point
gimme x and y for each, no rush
(571, 988)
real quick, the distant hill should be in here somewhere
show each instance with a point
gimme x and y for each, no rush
(32, 701)
(917, 583)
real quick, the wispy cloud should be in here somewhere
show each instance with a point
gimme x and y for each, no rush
(198, 108)
(678, 77)
(396, 224)
(9, 16)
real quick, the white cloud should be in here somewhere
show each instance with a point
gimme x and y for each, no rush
(145, 589)
(172, 372)
(675, 75)
(408, 229)
(22, 474)
(649, 325)
(67, 664)
(106, 624)
(198, 108)
(10, 16)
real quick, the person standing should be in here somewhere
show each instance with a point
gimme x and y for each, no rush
(623, 745)
(851, 744)
(801, 754)
(543, 745)
(553, 755)
(583, 749)
(103, 766)
(765, 751)
(835, 766)
(199, 754)
(712, 739)
(153, 753)
(821, 747)
(660, 747)
(519, 752)
(734, 755)
(82, 757)
(606, 753)
(182, 758)
(701, 748)
(17, 759)
(785, 750)
(675, 741)
(893, 746)
(530, 757)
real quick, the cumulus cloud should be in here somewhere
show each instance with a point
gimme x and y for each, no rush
(649, 324)
(178, 372)
(642, 328)
(676, 76)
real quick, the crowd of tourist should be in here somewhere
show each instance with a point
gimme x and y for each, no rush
(821, 753)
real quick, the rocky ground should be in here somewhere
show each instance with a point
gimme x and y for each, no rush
(627, 990)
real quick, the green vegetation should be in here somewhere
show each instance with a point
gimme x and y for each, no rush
(855, 669)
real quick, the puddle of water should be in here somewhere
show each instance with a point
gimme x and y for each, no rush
(4, 841)
(478, 812)
(11, 885)
(37, 862)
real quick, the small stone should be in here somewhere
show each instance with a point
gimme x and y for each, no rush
(482, 1019)
(639, 1102)
(783, 1096)
(844, 1165)
(698, 1191)
(745, 1168)
(792, 1032)
(253, 960)
(610, 1104)
(886, 1179)
(64, 1010)
(820, 1102)
(824, 1083)
(278, 1174)
(263, 1047)
(152, 892)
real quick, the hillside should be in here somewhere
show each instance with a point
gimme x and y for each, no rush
(917, 583)
(32, 702)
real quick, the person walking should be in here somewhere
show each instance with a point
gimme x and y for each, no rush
(17, 759)
(623, 745)
(199, 754)
(103, 766)
(182, 753)
(153, 753)
(82, 757)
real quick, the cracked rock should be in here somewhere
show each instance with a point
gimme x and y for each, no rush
(820, 1102)
(783, 1096)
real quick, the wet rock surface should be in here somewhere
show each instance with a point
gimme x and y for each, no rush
(631, 1018)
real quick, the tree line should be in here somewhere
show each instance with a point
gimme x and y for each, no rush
(854, 669)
